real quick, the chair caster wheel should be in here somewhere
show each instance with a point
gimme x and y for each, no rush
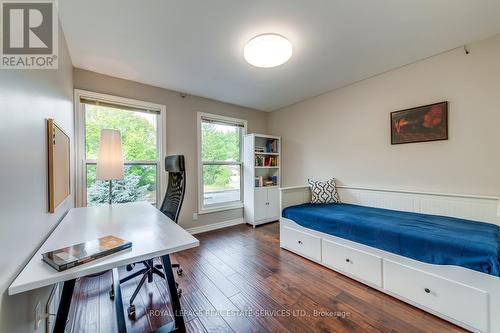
(131, 311)
(179, 271)
(129, 268)
(179, 292)
(111, 294)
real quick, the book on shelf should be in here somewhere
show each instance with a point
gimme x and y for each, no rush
(272, 146)
(271, 181)
(258, 149)
(269, 161)
(259, 181)
(266, 161)
(79, 254)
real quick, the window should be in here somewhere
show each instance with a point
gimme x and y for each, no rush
(140, 125)
(220, 167)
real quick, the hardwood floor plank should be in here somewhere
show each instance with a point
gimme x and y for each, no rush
(184, 281)
(216, 262)
(76, 303)
(154, 304)
(107, 322)
(87, 316)
(141, 322)
(218, 299)
(246, 304)
(195, 326)
(217, 278)
(228, 311)
(301, 310)
(206, 313)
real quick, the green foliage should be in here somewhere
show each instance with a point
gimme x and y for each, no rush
(219, 143)
(125, 190)
(138, 134)
(138, 139)
(216, 176)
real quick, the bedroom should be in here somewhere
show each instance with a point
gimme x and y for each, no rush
(253, 107)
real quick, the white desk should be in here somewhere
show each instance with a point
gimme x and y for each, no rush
(152, 235)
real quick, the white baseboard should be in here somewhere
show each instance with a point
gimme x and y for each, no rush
(215, 226)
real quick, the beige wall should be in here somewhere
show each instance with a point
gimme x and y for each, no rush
(27, 98)
(181, 129)
(346, 133)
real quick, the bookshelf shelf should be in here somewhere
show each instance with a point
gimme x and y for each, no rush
(265, 187)
(270, 154)
(262, 177)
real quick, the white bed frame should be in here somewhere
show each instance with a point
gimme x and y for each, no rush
(465, 297)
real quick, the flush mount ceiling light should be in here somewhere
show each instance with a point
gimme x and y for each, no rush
(267, 50)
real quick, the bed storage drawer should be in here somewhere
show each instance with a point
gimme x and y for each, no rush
(455, 300)
(359, 264)
(302, 243)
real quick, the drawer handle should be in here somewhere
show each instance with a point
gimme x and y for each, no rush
(347, 260)
(300, 242)
(427, 290)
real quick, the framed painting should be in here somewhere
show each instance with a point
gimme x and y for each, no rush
(420, 124)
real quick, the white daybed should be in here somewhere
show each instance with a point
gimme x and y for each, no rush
(465, 297)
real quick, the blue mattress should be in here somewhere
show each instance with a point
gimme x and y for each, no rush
(428, 238)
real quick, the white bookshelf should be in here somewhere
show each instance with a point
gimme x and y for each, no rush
(262, 160)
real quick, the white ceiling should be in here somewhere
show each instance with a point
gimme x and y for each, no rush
(196, 46)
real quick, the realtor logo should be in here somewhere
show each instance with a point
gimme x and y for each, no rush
(29, 31)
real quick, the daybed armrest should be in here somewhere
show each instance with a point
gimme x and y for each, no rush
(296, 195)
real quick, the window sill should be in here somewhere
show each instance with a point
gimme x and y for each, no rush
(219, 209)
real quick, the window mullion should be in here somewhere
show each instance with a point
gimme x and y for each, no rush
(221, 162)
(138, 162)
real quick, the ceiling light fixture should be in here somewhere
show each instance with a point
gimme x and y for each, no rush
(268, 50)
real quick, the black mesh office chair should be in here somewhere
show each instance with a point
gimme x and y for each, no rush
(171, 207)
(172, 203)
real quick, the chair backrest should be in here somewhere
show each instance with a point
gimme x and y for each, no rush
(174, 197)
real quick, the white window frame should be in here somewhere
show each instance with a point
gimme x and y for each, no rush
(80, 156)
(230, 205)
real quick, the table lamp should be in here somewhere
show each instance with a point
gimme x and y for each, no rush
(110, 158)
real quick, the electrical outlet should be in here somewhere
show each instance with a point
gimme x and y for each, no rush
(195, 216)
(38, 314)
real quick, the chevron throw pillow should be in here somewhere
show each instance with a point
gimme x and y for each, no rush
(323, 192)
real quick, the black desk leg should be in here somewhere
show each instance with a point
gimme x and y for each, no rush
(174, 299)
(64, 305)
(120, 316)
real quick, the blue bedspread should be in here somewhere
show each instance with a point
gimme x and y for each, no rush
(428, 238)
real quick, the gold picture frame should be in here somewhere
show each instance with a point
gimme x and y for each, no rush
(59, 178)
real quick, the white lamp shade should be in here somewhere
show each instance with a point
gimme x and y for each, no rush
(110, 158)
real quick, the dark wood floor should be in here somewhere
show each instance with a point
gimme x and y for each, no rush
(239, 280)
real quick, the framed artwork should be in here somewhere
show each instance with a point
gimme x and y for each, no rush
(420, 124)
(59, 178)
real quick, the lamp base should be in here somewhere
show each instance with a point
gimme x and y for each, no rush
(110, 194)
